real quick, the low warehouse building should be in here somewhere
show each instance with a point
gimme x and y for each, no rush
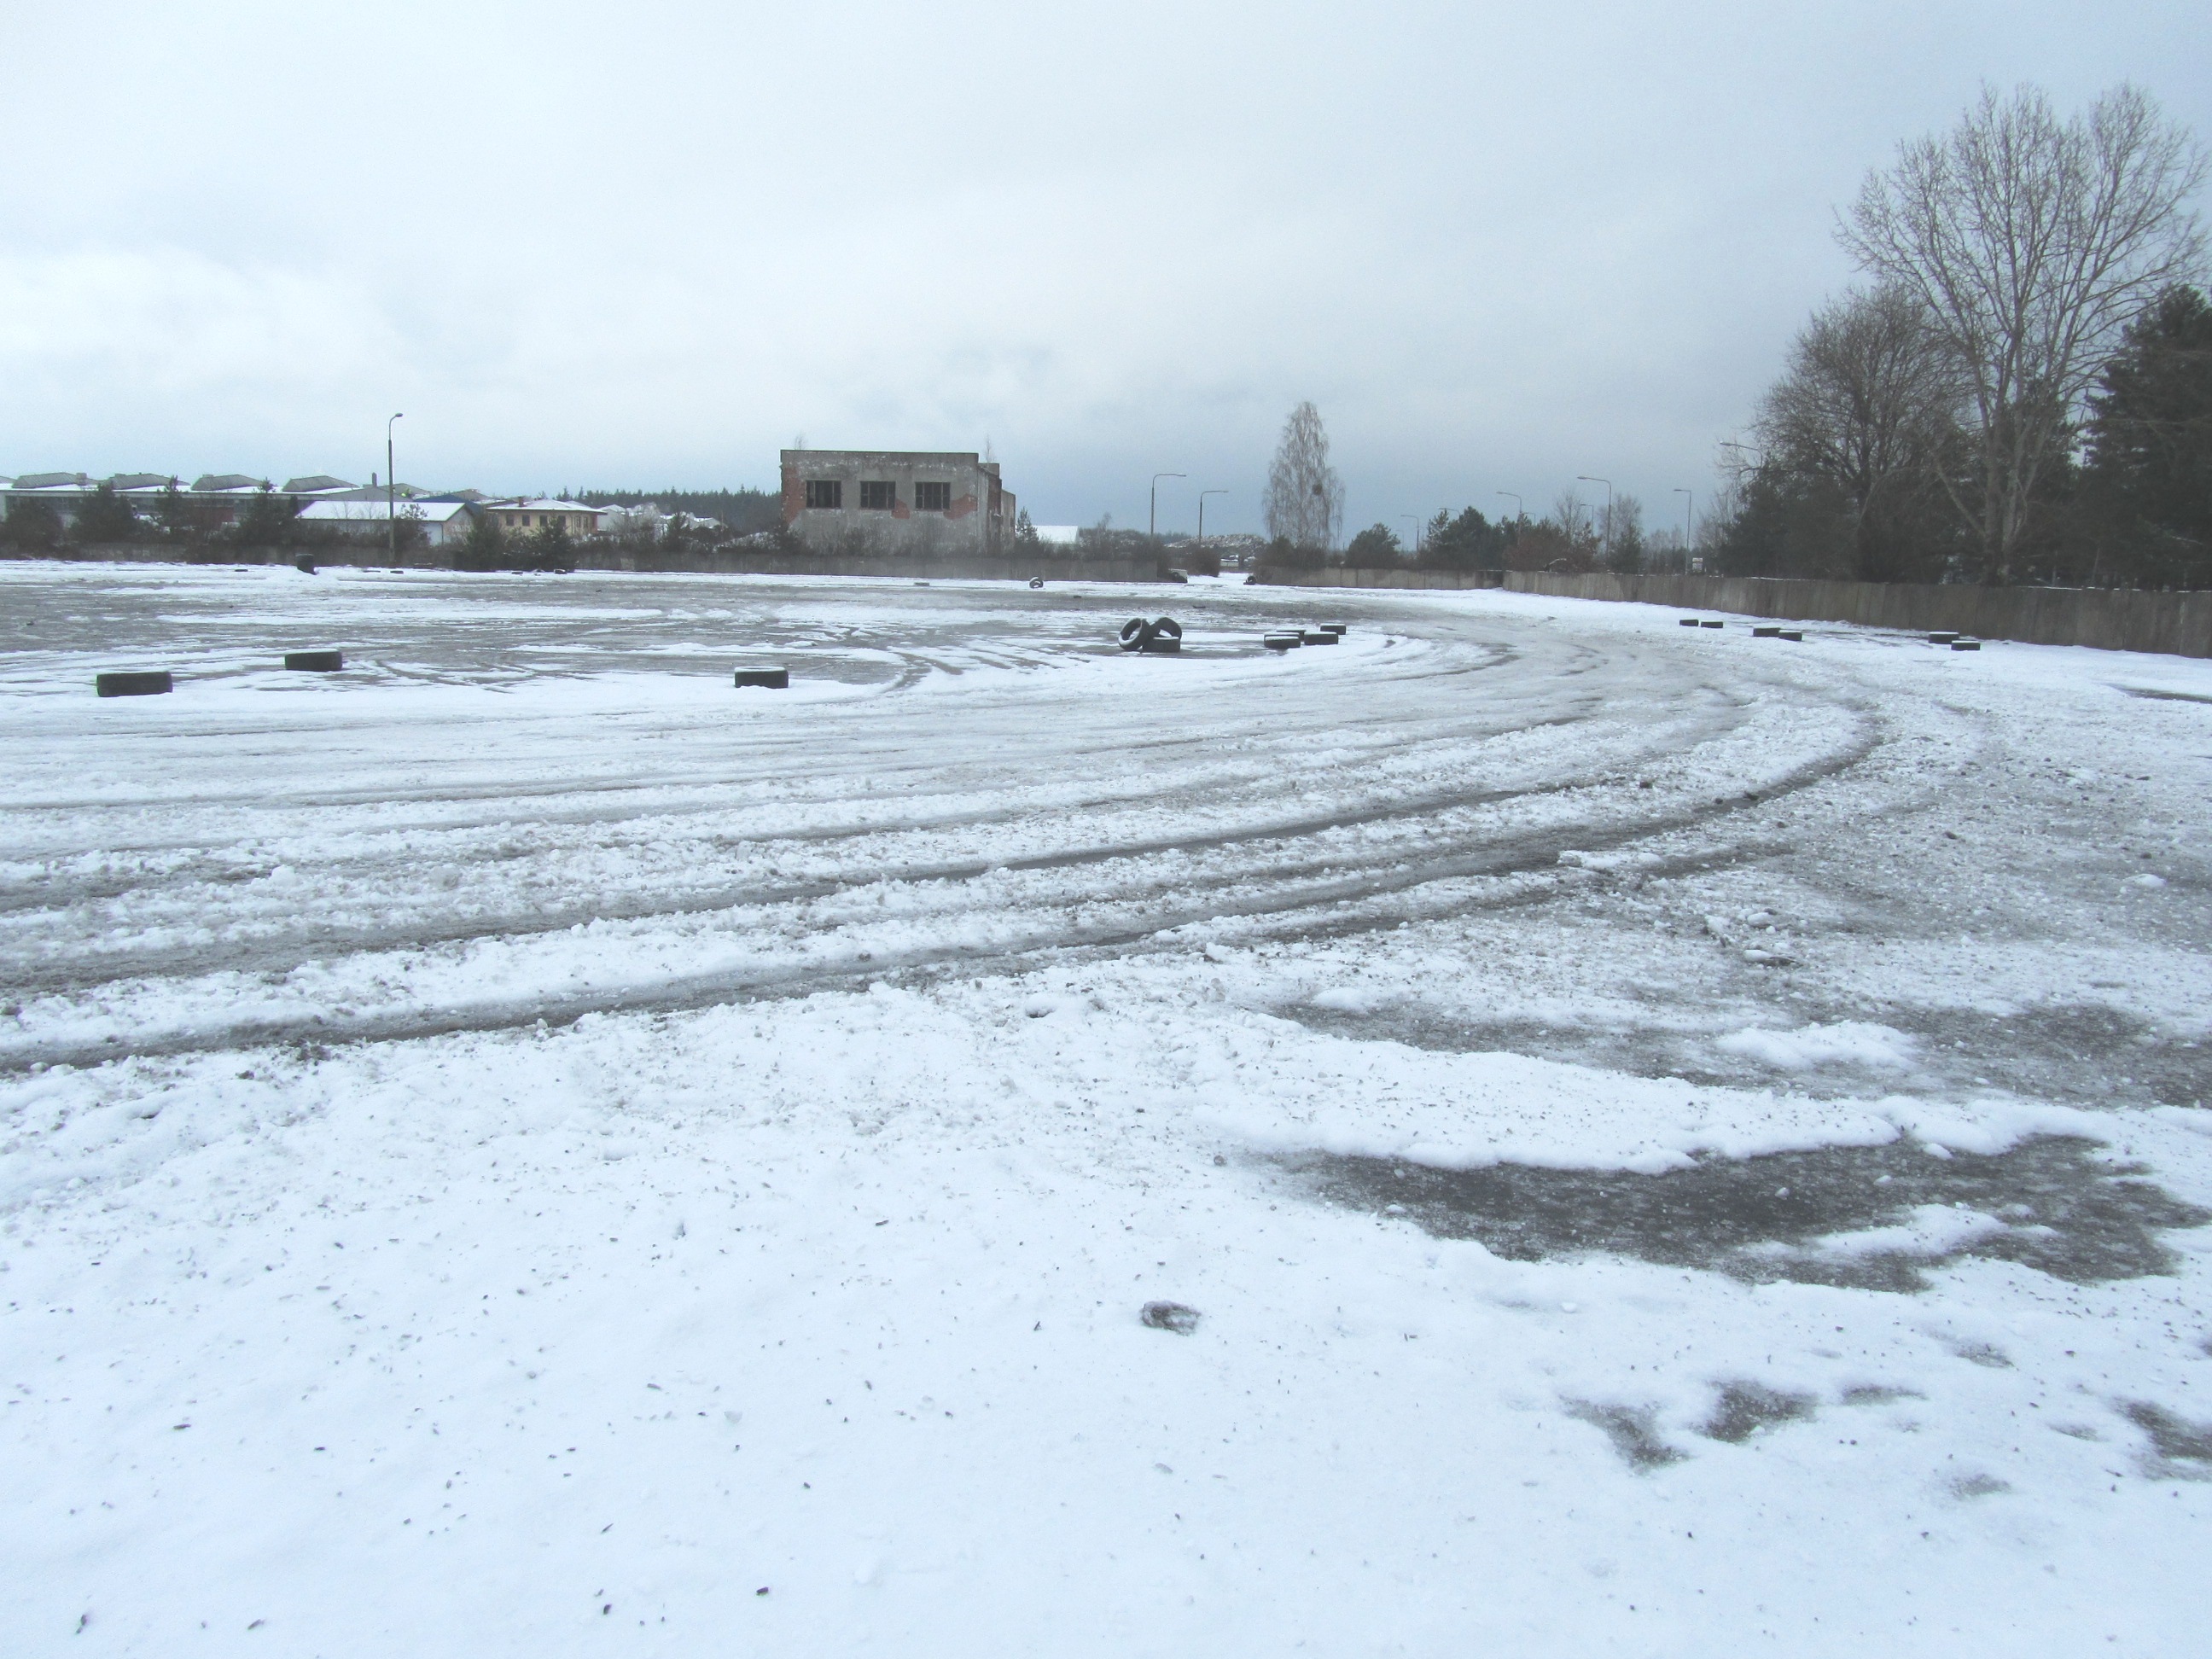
(442, 523)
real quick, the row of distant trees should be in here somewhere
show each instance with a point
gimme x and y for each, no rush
(178, 520)
(2020, 391)
(1305, 504)
(2022, 388)
(271, 521)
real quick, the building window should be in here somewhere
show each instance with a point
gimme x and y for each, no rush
(828, 494)
(878, 497)
(933, 497)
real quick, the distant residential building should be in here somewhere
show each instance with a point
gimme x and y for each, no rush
(524, 515)
(217, 498)
(896, 502)
(63, 493)
(442, 522)
(214, 499)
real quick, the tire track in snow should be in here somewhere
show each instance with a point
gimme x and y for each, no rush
(1521, 856)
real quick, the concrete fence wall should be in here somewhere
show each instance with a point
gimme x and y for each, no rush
(588, 558)
(1333, 577)
(2109, 619)
(977, 568)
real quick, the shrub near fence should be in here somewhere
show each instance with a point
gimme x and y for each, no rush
(2109, 619)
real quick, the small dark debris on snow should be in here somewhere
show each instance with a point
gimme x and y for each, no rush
(1877, 1394)
(1170, 1316)
(1978, 1485)
(1984, 1354)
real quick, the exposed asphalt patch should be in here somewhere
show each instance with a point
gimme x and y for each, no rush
(2183, 1449)
(2050, 1203)
(1744, 1408)
(2085, 1054)
(1630, 1428)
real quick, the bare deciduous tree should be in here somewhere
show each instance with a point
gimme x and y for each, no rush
(2031, 242)
(1620, 533)
(1576, 524)
(1305, 497)
(1869, 404)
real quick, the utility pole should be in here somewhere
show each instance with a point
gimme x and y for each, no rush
(1584, 478)
(1202, 495)
(1415, 519)
(1689, 507)
(1153, 524)
(390, 492)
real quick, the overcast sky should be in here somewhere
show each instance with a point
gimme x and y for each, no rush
(1499, 245)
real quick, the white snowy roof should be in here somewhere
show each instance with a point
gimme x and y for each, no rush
(379, 512)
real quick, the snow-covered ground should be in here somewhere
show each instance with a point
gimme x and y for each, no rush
(1676, 1143)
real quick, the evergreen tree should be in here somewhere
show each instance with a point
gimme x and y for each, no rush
(32, 527)
(484, 547)
(1374, 548)
(1466, 541)
(267, 520)
(2149, 472)
(105, 517)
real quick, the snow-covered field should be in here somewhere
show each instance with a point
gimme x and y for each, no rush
(1677, 1144)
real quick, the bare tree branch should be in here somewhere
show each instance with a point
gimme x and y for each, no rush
(2031, 242)
(1305, 497)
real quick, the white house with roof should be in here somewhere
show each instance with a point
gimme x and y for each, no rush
(523, 515)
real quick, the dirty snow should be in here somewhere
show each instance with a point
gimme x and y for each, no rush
(520, 1147)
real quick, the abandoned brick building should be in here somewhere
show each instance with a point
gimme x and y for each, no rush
(896, 502)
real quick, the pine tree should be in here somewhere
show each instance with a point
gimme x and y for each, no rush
(2150, 474)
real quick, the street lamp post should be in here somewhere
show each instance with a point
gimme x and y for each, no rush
(1153, 521)
(390, 492)
(1519, 512)
(1689, 507)
(1584, 478)
(1202, 495)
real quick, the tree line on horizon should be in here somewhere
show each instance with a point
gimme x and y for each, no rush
(2021, 390)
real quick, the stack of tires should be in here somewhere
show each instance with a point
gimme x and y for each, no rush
(1162, 635)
